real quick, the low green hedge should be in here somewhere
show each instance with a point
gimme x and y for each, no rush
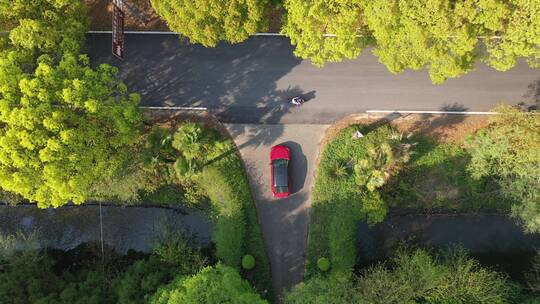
(237, 230)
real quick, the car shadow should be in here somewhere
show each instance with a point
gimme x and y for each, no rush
(298, 166)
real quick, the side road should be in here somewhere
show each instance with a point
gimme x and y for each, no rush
(284, 222)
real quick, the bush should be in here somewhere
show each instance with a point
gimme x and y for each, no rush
(218, 284)
(452, 278)
(141, 280)
(323, 264)
(508, 150)
(324, 289)
(248, 262)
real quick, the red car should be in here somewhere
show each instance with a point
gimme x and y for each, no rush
(280, 157)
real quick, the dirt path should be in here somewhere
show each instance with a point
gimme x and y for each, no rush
(284, 222)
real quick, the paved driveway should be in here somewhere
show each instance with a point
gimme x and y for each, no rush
(284, 222)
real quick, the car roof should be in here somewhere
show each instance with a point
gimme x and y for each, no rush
(281, 178)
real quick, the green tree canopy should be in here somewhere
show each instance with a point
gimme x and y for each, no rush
(218, 284)
(307, 22)
(65, 127)
(509, 150)
(416, 34)
(519, 33)
(209, 21)
(51, 26)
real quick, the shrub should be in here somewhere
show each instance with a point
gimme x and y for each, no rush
(218, 284)
(248, 262)
(158, 147)
(141, 280)
(416, 275)
(509, 151)
(323, 264)
(324, 289)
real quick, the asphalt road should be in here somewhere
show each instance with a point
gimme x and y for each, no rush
(251, 82)
(284, 222)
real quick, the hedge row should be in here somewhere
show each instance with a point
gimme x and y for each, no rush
(237, 230)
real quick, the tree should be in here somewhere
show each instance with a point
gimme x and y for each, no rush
(28, 278)
(218, 284)
(509, 151)
(416, 34)
(50, 26)
(519, 36)
(141, 280)
(64, 128)
(209, 21)
(307, 22)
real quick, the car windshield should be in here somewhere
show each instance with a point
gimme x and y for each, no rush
(279, 167)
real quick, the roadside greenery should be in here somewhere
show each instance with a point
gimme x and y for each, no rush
(78, 276)
(216, 284)
(210, 21)
(212, 162)
(509, 152)
(437, 178)
(445, 37)
(350, 172)
(307, 22)
(413, 277)
(53, 27)
(66, 127)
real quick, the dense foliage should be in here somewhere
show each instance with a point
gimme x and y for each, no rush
(78, 275)
(307, 22)
(436, 178)
(346, 191)
(509, 151)
(209, 21)
(45, 26)
(411, 277)
(65, 127)
(446, 37)
(424, 34)
(217, 284)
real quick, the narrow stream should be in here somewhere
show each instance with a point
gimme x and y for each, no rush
(495, 240)
(124, 228)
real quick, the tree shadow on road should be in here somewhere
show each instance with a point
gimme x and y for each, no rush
(237, 81)
(533, 95)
